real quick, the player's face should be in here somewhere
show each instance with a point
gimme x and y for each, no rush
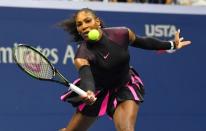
(85, 21)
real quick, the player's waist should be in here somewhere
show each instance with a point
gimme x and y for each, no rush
(112, 81)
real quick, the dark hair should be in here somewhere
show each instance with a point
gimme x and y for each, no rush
(69, 25)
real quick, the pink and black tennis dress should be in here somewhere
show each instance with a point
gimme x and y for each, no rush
(115, 81)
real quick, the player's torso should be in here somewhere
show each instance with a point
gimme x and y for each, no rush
(110, 63)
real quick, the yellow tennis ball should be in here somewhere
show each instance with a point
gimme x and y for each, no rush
(93, 35)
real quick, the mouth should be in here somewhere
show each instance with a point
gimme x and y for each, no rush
(85, 34)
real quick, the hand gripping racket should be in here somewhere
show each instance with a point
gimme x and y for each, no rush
(38, 66)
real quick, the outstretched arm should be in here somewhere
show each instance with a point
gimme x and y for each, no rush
(150, 43)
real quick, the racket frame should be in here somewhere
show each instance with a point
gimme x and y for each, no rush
(55, 72)
(32, 48)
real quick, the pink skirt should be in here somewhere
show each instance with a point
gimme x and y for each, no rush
(108, 99)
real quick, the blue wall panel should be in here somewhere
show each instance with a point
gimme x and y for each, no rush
(175, 83)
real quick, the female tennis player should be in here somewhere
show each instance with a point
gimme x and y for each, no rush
(112, 87)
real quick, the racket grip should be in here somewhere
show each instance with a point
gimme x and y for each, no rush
(77, 90)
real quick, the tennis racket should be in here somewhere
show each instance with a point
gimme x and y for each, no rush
(36, 65)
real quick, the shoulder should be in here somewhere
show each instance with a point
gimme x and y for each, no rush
(81, 47)
(119, 35)
(117, 31)
(81, 51)
(81, 56)
(121, 32)
(84, 52)
(113, 29)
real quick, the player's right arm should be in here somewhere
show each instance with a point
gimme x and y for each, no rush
(80, 62)
(87, 80)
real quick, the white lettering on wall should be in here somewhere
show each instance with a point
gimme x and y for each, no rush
(6, 55)
(160, 30)
(69, 54)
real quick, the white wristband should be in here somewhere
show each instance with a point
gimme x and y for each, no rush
(172, 45)
(172, 49)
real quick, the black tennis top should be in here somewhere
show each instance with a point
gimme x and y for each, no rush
(108, 58)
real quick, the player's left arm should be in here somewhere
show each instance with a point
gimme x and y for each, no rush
(151, 43)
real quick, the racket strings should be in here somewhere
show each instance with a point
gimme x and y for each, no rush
(33, 63)
(47, 69)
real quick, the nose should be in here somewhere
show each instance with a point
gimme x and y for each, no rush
(84, 26)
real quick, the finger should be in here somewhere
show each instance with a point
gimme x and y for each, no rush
(178, 31)
(177, 36)
(185, 43)
(90, 95)
(90, 101)
(95, 98)
(90, 92)
(92, 98)
(181, 39)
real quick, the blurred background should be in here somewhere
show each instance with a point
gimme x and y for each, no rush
(175, 83)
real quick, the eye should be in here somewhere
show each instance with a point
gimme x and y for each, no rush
(78, 24)
(88, 20)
